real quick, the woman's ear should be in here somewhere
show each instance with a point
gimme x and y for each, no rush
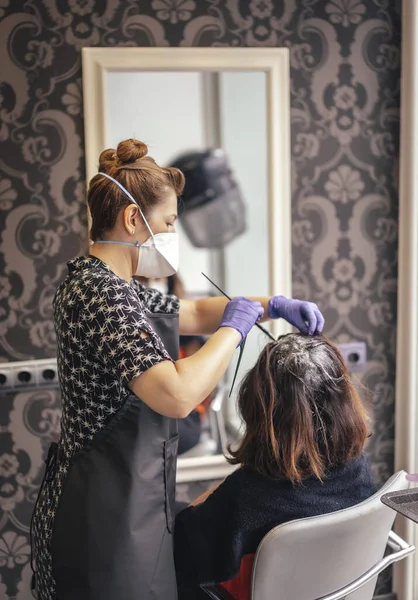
(130, 219)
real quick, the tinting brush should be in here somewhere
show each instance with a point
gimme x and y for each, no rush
(242, 346)
(263, 329)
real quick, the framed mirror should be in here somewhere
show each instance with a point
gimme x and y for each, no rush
(178, 100)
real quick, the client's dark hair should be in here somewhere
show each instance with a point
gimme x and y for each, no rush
(301, 411)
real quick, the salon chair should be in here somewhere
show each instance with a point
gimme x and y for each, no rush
(213, 439)
(330, 557)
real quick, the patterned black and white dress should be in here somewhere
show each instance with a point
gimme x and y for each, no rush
(99, 319)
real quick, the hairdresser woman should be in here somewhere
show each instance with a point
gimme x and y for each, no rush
(102, 526)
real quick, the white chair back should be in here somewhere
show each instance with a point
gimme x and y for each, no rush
(312, 558)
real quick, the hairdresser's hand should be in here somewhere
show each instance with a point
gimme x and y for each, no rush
(241, 314)
(305, 316)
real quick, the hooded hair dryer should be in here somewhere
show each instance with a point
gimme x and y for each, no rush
(214, 210)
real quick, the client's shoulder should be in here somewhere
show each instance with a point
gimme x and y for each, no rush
(355, 476)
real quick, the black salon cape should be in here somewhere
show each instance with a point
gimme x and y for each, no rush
(210, 539)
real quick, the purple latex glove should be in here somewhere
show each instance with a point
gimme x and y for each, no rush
(305, 316)
(241, 314)
(412, 477)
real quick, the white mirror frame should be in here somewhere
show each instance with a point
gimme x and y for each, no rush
(406, 413)
(274, 62)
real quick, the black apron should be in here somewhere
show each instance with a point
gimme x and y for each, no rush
(112, 535)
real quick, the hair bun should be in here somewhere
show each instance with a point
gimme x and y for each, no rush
(131, 150)
(107, 159)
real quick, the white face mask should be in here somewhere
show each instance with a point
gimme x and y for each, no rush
(158, 256)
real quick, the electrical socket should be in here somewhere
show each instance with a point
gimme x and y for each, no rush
(354, 355)
(7, 376)
(30, 374)
(25, 376)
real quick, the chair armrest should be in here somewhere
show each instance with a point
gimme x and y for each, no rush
(402, 550)
(216, 592)
(397, 543)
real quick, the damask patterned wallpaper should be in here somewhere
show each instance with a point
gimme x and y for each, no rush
(345, 79)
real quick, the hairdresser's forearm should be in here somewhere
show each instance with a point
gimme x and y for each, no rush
(264, 301)
(175, 389)
(200, 373)
(203, 317)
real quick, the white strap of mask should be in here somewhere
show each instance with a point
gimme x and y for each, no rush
(130, 198)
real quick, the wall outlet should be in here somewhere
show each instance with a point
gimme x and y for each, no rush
(7, 376)
(354, 355)
(25, 375)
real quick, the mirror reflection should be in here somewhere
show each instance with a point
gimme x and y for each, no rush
(213, 126)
